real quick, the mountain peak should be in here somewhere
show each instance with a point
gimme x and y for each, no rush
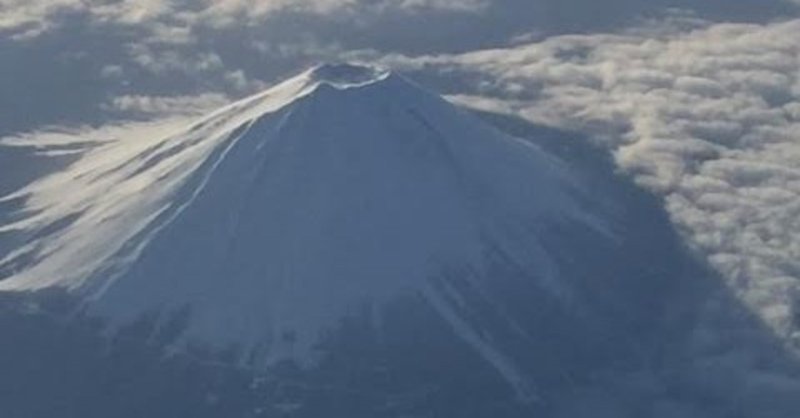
(346, 74)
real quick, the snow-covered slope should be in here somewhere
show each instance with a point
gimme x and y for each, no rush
(340, 190)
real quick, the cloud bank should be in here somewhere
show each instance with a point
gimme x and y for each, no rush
(28, 18)
(63, 60)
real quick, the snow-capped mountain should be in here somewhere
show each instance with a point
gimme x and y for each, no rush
(347, 210)
(341, 189)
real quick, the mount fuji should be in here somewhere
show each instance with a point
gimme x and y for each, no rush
(347, 222)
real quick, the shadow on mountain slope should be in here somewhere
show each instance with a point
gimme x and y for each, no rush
(711, 356)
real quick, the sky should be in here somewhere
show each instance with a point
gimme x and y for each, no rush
(699, 102)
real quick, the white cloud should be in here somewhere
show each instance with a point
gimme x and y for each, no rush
(112, 71)
(59, 140)
(462, 5)
(709, 118)
(29, 18)
(167, 105)
(165, 60)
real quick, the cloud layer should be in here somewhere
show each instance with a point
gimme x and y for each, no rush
(706, 115)
(27, 18)
(63, 60)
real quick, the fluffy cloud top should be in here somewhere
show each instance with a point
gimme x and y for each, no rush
(167, 105)
(31, 17)
(709, 118)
